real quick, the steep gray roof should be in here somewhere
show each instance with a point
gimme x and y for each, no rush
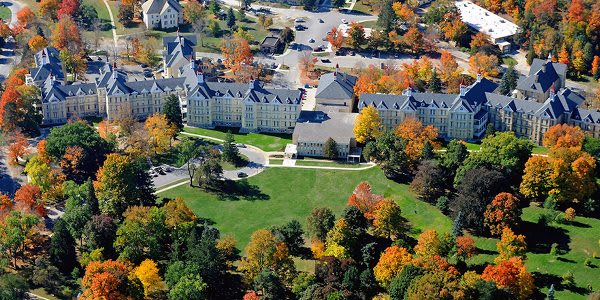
(156, 85)
(542, 75)
(336, 85)
(156, 6)
(557, 104)
(318, 126)
(178, 47)
(586, 116)
(47, 63)
(53, 91)
(48, 55)
(251, 92)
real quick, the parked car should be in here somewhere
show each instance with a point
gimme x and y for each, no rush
(321, 21)
(319, 49)
(240, 145)
(241, 175)
(299, 20)
(148, 73)
(344, 21)
(325, 60)
(311, 40)
(143, 66)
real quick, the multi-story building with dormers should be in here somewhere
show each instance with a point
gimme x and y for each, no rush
(252, 107)
(540, 101)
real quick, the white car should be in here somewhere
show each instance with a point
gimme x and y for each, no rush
(344, 21)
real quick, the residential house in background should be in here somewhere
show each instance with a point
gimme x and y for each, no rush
(335, 92)
(162, 14)
(314, 128)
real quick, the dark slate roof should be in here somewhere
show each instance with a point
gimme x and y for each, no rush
(252, 92)
(476, 92)
(48, 55)
(545, 78)
(178, 47)
(53, 91)
(318, 126)
(336, 85)
(557, 104)
(40, 74)
(157, 5)
(586, 116)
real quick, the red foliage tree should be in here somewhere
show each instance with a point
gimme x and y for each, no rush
(29, 198)
(364, 199)
(503, 212)
(67, 8)
(25, 16)
(512, 275)
(105, 280)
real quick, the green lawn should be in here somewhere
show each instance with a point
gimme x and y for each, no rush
(577, 241)
(283, 194)
(264, 141)
(361, 7)
(5, 13)
(230, 166)
(509, 60)
(540, 150)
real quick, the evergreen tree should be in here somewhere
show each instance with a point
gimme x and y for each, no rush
(457, 227)
(230, 151)
(428, 151)
(62, 248)
(214, 7)
(309, 4)
(330, 149)
(339, 3)
(387, 16)
(509, 81)
(490, 130)
(435, 84)
(530, 55)
(91, 199)
(230, 18)
(172, 111)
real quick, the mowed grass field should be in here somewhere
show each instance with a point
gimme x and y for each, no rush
(283, 194)
(264, 141)
(278, 195)
(577, 241)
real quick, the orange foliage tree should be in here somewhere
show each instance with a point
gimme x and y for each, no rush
(415, 136)
(479, 40)
(5, 204)
(48, 8)
(41, 151)
(453, 28)
(29, 198)
(17, 148)
(365, 200)
(37, 43)
(536, 178)
(66, 35)
(67, 8)
(367, 81)
(106, 280)
(503, 212)
(486, 65)
(71, 161)
(511, 274)
(236, 53)
(390, 264)
(335, 38)
(465, 247)
(25, 16)
(449, 71)
(563, 135)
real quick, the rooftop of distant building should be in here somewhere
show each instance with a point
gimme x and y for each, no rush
(485, 21)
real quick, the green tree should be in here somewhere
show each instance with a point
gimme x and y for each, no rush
(309, 4)
(13, 286)
(16, 228)
(490, 130)
(77, 211)
(62, 248)
(428, 152)
(270, 285)
(172, 111)
(387, 16)
(435, 83)
(509, 80)
(78, 134)
(388, 152)
(143, 234)
(230, 19)
(330, 149)
(320, 221)
(215, 7)
(122, 182)
(230, 151)
(400, 284)
(210, 170)
(100, 232)
(458, 225)
(291, 234)
(189, 287)
(339, 3)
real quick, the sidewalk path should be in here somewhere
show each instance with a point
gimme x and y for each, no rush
(112, 23)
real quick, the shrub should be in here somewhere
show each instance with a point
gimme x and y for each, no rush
(587, 262)
(554, 249)
(442, 204)
(568, 279)
(570, 214)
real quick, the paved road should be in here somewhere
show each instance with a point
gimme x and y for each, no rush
(8, 57)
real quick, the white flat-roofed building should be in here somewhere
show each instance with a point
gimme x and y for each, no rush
(480, 19)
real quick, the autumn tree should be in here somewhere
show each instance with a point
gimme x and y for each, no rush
(122, 182)
(28, 198)
(335, 38)
(510, 245)
(161, 132)
(536, 181)
(367, 81)
(387, 219)
(391, 264)
(503, 212)
(365, 200)
(68, 8)
(25, 16)
(39, 173)
(16, 231)
(465, 247)
(17, 148)
(265, 21)
(147, 273)
(264, 251)
(48, 8)
(66, 35)
(511, 274)
(37, 43)
(415, 136)
(320, 221)
(453, 28)
(448, 68)
(563, 135)
(236, 54)
(107, 280)
(484, 65)
(368, 125)
(479, 40)
(356, 36)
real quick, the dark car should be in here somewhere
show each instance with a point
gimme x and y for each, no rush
(242, 175)
(143, 65)
(148, 73)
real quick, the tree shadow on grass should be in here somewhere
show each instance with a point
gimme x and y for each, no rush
(546, 280)
(230, 190)
(579, 224)
(486, 251)
(566, 260)
(540, 237)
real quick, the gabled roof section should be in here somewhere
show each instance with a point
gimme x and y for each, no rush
(542, 75)
(336, 85)
(160, 6)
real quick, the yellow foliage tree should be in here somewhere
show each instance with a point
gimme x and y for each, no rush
(147, 273)
(390, 264)
(368, 125)
(510, 245)
(160, 132)
(415, 136)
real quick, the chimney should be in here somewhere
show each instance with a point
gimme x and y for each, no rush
(463, 88)
(478, 77)
(549, 57)
(192, 63)
(408, 91)
(552, 91)
(337, 69)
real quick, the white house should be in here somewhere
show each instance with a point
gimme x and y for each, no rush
(162, 14)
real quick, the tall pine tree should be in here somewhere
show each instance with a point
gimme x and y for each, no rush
(62, 248)
(172, 111)
(457, 227)
(509, 81)
(435, 84)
